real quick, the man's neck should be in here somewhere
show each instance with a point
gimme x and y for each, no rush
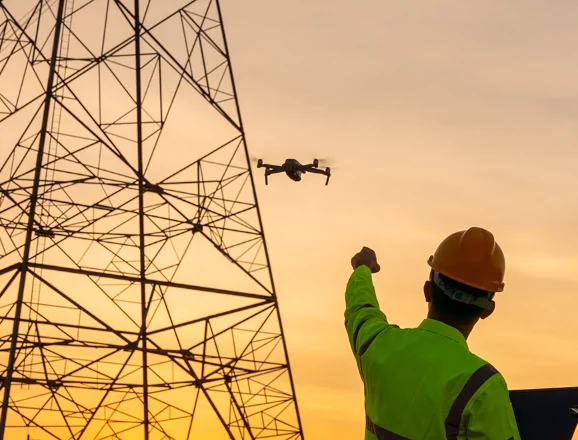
(464, 329)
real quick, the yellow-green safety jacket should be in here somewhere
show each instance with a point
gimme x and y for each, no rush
(422, 383)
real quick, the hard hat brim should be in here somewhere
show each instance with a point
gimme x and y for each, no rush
(493, 287)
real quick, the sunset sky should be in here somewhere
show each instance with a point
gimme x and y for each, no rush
(440, 115)
(437, 114)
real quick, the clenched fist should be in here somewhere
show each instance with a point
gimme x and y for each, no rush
(366, 257)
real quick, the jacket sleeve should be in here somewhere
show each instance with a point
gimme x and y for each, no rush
(363, 318)
(489, 414)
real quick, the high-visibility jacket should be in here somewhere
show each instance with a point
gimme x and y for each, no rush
(422, 383)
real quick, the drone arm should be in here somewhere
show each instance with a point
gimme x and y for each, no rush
(316, 171)
(326, 172)
(274, 171)
(269, 171)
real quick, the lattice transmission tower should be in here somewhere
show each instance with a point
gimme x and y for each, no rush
(136, 295)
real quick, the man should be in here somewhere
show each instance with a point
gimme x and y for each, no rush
(424, 383)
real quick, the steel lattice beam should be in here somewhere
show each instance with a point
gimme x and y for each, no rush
(136, 293)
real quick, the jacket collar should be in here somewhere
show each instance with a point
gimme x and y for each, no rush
(431, 325)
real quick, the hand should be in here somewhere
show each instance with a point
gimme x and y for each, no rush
(366, 257)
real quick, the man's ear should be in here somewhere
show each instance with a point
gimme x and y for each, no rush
(427, 291)
(487, 312)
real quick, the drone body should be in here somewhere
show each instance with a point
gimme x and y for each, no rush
(293, 169)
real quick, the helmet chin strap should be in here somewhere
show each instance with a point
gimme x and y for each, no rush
(463, 297)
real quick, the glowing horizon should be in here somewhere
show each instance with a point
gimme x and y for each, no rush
(439, 115)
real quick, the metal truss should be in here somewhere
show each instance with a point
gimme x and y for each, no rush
(136, 295)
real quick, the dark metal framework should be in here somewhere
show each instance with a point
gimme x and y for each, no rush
(136, 295)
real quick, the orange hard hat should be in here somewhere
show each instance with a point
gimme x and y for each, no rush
(473, 258)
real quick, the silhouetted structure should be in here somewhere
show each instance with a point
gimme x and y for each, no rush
(136, 295)
(545, 413)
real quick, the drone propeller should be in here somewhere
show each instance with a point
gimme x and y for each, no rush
(326, 162)
(255, 159)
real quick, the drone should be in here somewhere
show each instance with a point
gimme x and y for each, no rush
(293, 169)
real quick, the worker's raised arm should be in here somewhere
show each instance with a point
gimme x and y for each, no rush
(363, 318)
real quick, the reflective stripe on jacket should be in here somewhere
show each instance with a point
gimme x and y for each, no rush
(422, 383)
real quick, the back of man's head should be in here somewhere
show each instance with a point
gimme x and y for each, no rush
(467, 269)
(449, 309)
